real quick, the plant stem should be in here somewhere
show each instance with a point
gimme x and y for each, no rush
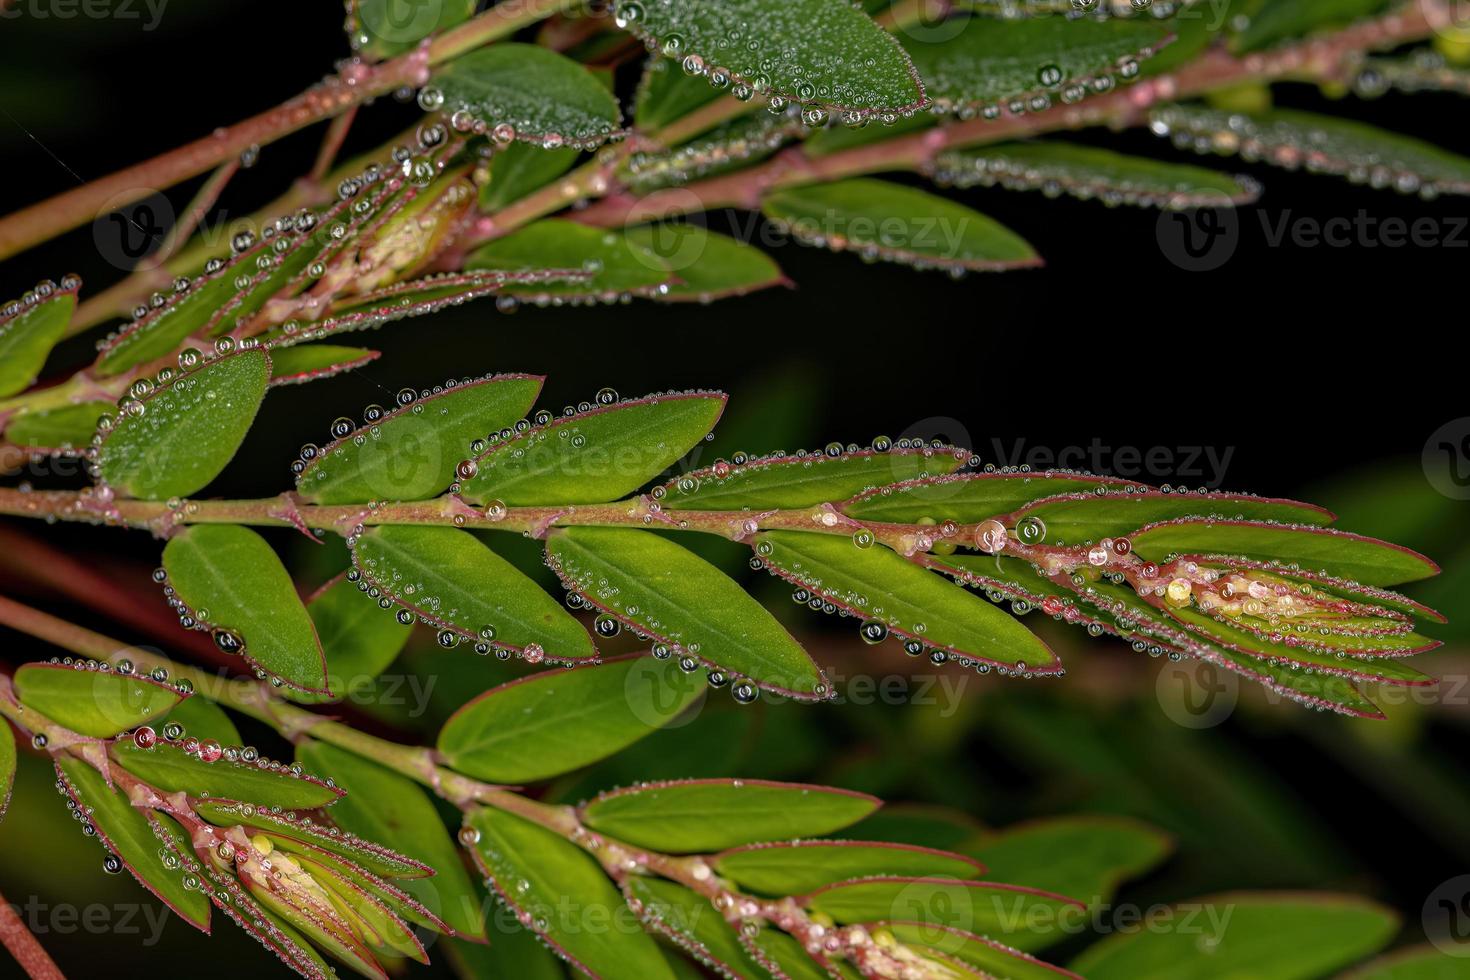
(24, 946)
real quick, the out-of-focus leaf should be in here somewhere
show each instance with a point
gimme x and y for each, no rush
(788, 482)
(450, 580)
(1080, 518)
(312, 362)
(923, 825)
(882, 220)
(691, 921)
(520, 168)
(666, 93)
(201, 718)
(92, 702)
(168, 767)
(182, 434)
(126, 832)
(620, 266)
(1350, 556)
(29, 329)
(383, 806)
(7, 767)
(994, 958)
(709, 266)
(1263, 936)
(381, 29)
(702, 815)
(993, 61)
(1018, 916)
(542, 96)
(1085, 857)
(683, 601)
(536, 871)
(411, 452)
(798, 867)
(553, 722)
(881, 586)
(1321, 144)
(512, 951)
(597, 455)
(800, 50)
(67, 428)
(1414, 963)
(1282, 20)
(1092, 174)
(782, 955)
(233, 584)
(970, 498)
(359, 639)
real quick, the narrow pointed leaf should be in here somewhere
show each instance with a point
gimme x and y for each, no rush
(619, 266)
(889, 221)
(380, 927)
(798, 867)
(1350, 556)
(816, 52)
(69, 428)
(1282, 20)
(126, 832)
(1020, 917)
(313, 362)
(1322, 144)
(702, 815)
(168, 767)
(1267, 937)
(691, 921)
(996, 959)
(189, 429)
(383, 806)
(535, 871)
(300, 837)
(381, 29)
(520, 168)
(782, 955)
(708, 265)
(411, 452)
(1092, 174)
(879, 585)
(1082, 518)
(402, 904)
(597, 455)
(969, 498)
(7, 767)
(543, 97)
(234, 584)
(990, 61)
(552, 722)
(95, 703)
(669, 593)
(452, 581)
(359, 638)
(788, 482)
(29, 329)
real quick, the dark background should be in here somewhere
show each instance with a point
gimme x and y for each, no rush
(1322, 371)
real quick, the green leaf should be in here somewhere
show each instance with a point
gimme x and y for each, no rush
(168, 767)
(783, 955)
(411, 452)
(452, 581)
(804, 480)
(881, 586)
(691, 921)
(201, 718)
(127, 833)
(233, 584)
(512, 952)
(93, 702)
(709, 266)
(1086, 857)
(1281, 20)
(187, 431)
(7, 767)
(1350, 556)
(543, 97)
(1079, 518)
(816, 52)
(383, 806)
(594, 456)
(70, 427)
(1415, 963)
(996, 959)
(888, 221)
(1288, 138)
(620, 266)
(312, 362)
(520, 168)
(702, 815)
(1266, 937)
(993, 61)
(550, 723)
(669, 593)
(535, 872)
(381, 29)
(1017, 916)
(798, 867)
(359, 638)
(1092, 174)
(29, 329)
(970, 498)
(666, 94)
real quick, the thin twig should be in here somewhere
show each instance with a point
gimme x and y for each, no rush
(24, 946)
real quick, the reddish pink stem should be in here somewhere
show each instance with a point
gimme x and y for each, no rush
(24, 946)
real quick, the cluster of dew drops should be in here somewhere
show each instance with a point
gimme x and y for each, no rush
(39, 293)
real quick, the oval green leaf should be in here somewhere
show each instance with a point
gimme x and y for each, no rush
(691, 921)
(29, 328)
(707, 265)
(92, 702)
(233, 583)
(789, 482)
(188, 430)
(313, 362)
(1415, 963)
(1086, 856)
(69, 428)
(703, 815)
(1084, 518)
(969, 498)
(520, 168)
(1020, 916)
(552, 722)
(667, 592)
(381, 29)
(411, 452)
(594, 456)
(798, 867)
(168, 767)
(359, 638)
(620, 266)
